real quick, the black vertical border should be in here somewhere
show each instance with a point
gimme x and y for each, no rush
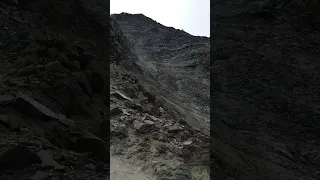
(107, 56)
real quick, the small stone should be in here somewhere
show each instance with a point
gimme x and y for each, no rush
(48, 161)
(12, 122)
(146, 108)
(120, 95)
(115, 111)
(149, 122)
(52, 52)
(142, 127)
(21, 82)
(56, 66)
(40, 175)
(84, 157)
(125, 112)
(187, 142)
(119, 131)
(174, 129)
(34, 47)
(65, 61)
(27, 71)
(161, 109)
(91, 166)
(162, 148)
(133, 105)
(185, 153)
(6, 99)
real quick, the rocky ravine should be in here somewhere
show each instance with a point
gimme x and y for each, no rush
(57, 109)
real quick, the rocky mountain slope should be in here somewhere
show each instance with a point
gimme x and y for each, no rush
(148, 129)
(60, 120)
(175, 63)
(57, 109)
(54, 90)
(265, 90)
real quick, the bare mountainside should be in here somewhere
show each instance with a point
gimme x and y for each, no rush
(265, 90)
(150, 138)
(174, 62)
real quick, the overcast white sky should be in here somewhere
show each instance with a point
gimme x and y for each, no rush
(193, 16)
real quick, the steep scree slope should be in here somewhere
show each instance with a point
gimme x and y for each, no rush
(148, 135)
(175, 63)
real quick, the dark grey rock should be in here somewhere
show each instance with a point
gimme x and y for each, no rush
(33, 108)
(12, 122)
(21, 82)
(142, 127)
(11, 2)
(18, 158)
(97, 81)
(119, 131)
(174, 128)
(6, 99)
(40, 175)
(133, 105)
(66, 62)
(27, 71)
(55, 67)
(53, 52)
(115, 111)
(48, 161)
(146, 108)
(34, 47)
(88, 142)
(84, 83)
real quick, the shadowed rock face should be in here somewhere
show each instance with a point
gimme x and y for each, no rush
(53, 71)
(264, 91)
(174, 62)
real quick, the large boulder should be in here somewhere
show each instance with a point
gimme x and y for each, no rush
(28, 105)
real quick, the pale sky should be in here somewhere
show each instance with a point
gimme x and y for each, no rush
(193, 16)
